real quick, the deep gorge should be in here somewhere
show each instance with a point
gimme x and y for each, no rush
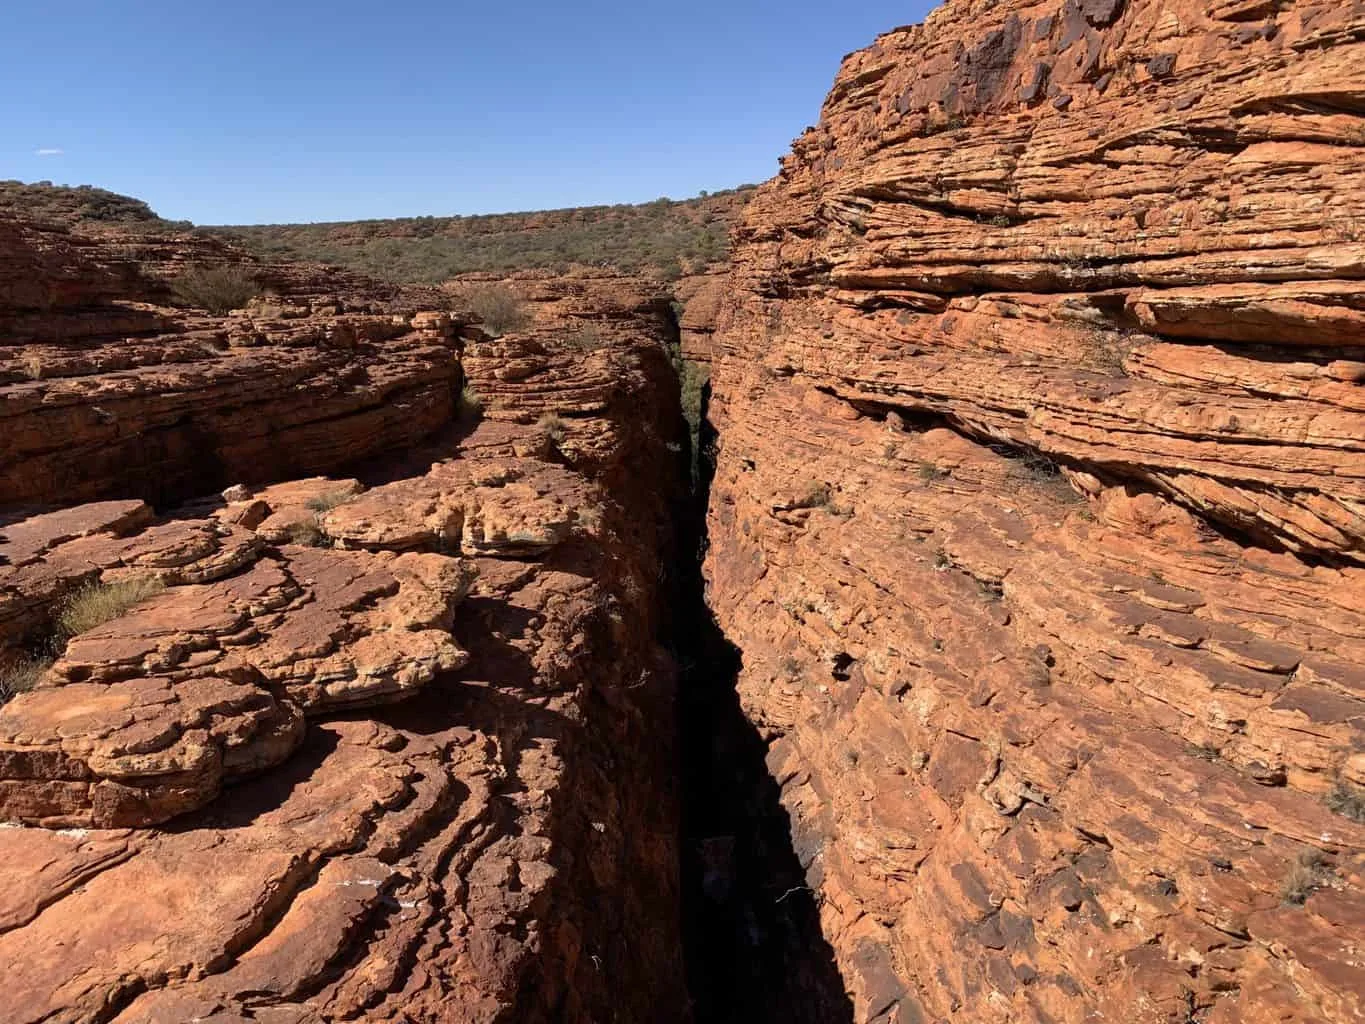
(951, 609)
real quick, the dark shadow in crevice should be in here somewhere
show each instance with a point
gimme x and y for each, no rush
(751, 924)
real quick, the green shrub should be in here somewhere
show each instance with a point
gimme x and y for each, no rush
(470, 406)
(634, 239)
(216, 289)
(695, 377)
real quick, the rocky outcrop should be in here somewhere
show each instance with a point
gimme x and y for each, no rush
(1038, 510)
(393, 746)
(110, 393)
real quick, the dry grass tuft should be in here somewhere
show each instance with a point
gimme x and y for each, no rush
(818, 495)
(326, 502)
(1308, 874)
(98, 603)
(308, 534)
(1045, 477)
(552, 425)
(499, 307)
(588, 338)
(1348, 801)
(21, 675)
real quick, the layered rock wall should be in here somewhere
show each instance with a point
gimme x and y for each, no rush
(111, 393)
(395, 746)
(1038, 512)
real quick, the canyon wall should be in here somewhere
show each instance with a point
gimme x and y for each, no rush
(389, 745)
(1039, 510)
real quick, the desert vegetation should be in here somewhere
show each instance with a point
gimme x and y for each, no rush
(216, 289)
(499, 306)
(469, 407)
(665, 237)
(552, 426)
(588, 338)
(61, 204)
(86, 608)
(97, 603)
(1307, 874)
(1347, 800)
(328, 500)
(21, 675)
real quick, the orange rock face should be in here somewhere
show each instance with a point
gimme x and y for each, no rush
(385, 747)
(1038, 511)
(108, 392)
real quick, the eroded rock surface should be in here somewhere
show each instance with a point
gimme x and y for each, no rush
(404, 733)
(106, 390)
(1038, 511)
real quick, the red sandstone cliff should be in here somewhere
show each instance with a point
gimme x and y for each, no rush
(1040, 508)
(377, 747)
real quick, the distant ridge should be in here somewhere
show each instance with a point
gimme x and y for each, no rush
(664, 237)
(667, 238)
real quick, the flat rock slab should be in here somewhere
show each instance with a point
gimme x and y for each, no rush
(149, 715)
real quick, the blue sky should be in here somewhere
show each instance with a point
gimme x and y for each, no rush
(297, 110)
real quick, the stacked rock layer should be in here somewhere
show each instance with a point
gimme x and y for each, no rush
(1039, 510)
(382, 746)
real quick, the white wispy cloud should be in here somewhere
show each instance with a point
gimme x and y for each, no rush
(49, 151)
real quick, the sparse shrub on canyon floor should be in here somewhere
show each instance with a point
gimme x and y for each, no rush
(328, 501)
(1308, 874)
(553, 427)
(216, 289)
(1348, 801)
(307, 534)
